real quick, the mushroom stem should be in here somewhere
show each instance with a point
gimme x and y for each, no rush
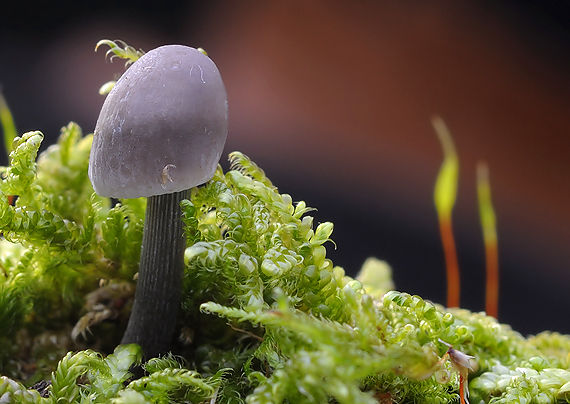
(157, 298)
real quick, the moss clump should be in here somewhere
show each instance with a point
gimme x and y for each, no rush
(266, 317)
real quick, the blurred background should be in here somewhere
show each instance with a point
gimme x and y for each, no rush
(333, 99)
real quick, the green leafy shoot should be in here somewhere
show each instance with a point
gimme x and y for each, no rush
(118, 49)
(121, 50)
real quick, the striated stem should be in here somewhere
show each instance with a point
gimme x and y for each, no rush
(157, 297)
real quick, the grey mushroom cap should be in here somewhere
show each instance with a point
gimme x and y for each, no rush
(163, 126)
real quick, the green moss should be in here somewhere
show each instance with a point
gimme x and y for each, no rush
(266, 317)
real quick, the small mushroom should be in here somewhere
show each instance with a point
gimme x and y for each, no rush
(161, 131)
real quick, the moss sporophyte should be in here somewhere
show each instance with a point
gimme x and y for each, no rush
(263, 315)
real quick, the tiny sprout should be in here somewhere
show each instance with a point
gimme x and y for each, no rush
(121, 50)
(107, 87)
(461, 362)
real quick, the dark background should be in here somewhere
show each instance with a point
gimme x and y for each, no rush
(334, 99)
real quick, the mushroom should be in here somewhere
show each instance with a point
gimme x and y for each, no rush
(160, 132)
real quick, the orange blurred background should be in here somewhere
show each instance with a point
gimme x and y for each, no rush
(334, 99)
